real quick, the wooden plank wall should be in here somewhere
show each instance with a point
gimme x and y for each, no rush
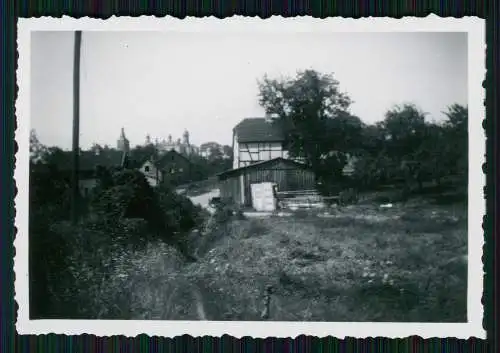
(286, 176)
(230, 189)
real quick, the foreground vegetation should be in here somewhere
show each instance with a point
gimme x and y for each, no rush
(148, 253)
(360, 264)
(353, 263)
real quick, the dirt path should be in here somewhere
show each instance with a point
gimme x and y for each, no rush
(204, 199)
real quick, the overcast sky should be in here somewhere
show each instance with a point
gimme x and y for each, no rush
(164, 82)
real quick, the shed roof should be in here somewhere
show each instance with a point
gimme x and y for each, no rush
(270, 162)
(258, 130)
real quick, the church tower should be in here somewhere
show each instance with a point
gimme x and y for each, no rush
(123, 143)
(185, 143)
(186, 138)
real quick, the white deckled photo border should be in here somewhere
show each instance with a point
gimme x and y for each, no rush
(475, 28)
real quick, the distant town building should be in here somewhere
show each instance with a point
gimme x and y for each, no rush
(123, 144)
(183, 146)
(172, 168)
(214, 150)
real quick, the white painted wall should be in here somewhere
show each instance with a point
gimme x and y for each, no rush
(264, 151)
(149, 171)
(236, 152)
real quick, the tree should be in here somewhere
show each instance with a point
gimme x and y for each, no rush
(37, 149)
(405, 130)
(215, 154)
(457, 118)
(310, 108)
(140, 154)
(456, 132)
(431, 154)
(346, 133)
(373, 139)
(129, 196)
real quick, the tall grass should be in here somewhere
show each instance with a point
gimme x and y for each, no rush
(402, 264)
(401, 267)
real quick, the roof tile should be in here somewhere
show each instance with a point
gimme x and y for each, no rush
(258, 130)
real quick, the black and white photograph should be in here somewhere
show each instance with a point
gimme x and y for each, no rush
(254, 174)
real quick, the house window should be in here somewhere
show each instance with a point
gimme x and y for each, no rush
(146, 168)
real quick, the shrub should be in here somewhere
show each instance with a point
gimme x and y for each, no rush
(225, 210)
(126, 214)
(181, 215)
(129, 196)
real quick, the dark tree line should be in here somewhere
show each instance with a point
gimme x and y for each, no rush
(404, 147)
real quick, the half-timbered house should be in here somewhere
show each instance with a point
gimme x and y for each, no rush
(257, 140)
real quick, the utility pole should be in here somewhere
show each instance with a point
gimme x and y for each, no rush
(76, 128)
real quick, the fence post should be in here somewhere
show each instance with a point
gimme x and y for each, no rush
(267, 303)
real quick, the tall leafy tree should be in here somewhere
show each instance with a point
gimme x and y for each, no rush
(405, 130)
(456, 130)
(313, 113)
(228, 152)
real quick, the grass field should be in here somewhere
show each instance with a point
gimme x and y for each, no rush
(359, 263)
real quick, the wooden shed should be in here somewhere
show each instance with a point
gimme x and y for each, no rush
(287, 174)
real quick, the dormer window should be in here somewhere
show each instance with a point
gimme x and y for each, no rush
(146, 168)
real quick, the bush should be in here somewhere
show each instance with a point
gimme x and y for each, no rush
(126, 214)
(181, 215)
(226, 209)
(131, 197)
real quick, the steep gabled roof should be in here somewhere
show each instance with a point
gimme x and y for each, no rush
(258, 130)
(170, 156)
